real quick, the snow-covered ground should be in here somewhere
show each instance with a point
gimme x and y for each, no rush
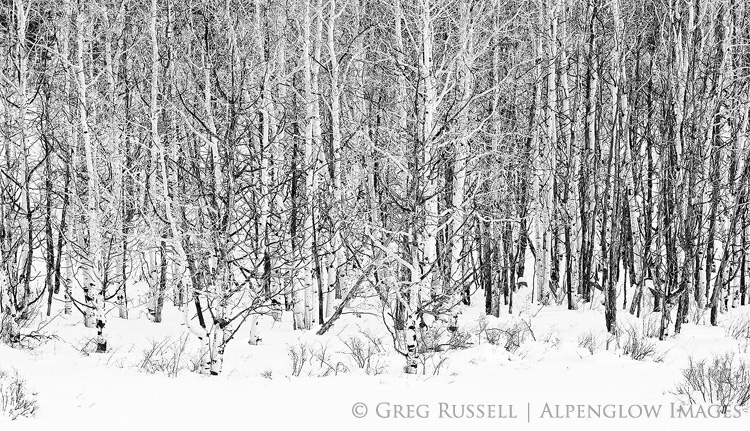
(549, 373)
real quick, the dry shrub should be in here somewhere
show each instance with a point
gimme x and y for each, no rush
(16, 399)
(723, 380)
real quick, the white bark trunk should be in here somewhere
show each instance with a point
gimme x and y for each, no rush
(411, 346)
(262, 151)
(538, 207)
(336, 257)
(306, 282)
(277, 170)
(72, 138)
(93, 290)
(317, 159)
(22, 103)
(181, 258)
(218, 343)
(461, 146)
(429, 234)
(254, 330)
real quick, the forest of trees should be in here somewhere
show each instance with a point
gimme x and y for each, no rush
(246, 155)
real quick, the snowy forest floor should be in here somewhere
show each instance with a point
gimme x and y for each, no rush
(260, 389)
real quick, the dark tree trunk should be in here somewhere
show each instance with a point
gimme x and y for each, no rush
(743, 263)
(162, 281)
(485, 265)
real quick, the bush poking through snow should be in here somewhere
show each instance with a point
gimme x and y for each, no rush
(639, 347)
(165, 356)
(365, 354)
(298, 357)
(481, 330)
(86, 346)
(739, 328)
(315, 360)
(198, 361)
(373, 338)
(16, 400)
(511, 336)
(440, 337)
(326, 364)
(590, 341)
(723, 381)
(11, 325)
(552, 338)
(459, 339)
(433, 362)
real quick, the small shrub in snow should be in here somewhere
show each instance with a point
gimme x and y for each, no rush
(590, 341)
(433, 362)
(365, 354)
(484, 332)
(197, 362)
(639, 347)
(86, 346)
(16, 400)
(551, 338)
(739, 328)
(481, 328)
(494, 336)
(723, 381)
(459, 339)
(165, 356)
(114, 358)
(511, 336)
(11, 324)
(315, 360)
(373, 338)
(441, 337)
(298, 357)
(325, 362)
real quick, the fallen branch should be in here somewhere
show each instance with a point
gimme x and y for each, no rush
(347, 299)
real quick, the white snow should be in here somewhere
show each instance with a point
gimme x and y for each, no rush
(80, 390)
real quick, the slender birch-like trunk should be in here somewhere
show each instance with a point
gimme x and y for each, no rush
(336, 257)
(540, 176)
(304, 277)
(278, 146)
(94, 266)
(428, 237)
(461, 147)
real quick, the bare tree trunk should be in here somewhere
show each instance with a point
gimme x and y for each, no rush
(49, 279)
(428, 238)
(305, 282)
(263, 148)
(94, 289)
(587, 210)
(336, 258)
(461, 147)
